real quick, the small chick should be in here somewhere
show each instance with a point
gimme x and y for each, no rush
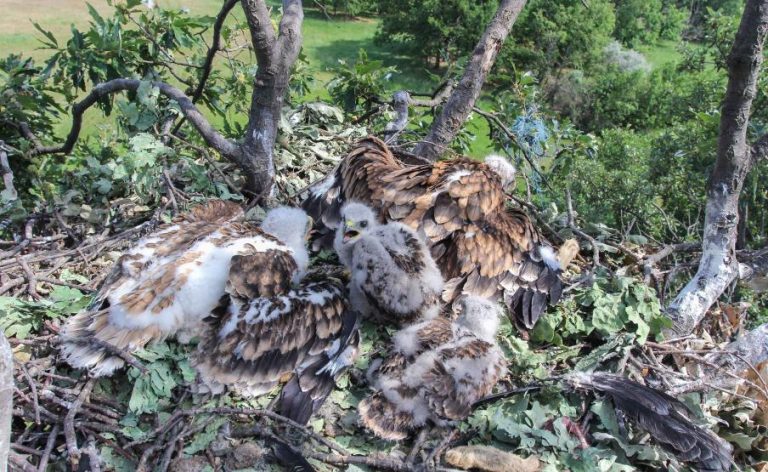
(437, 370)
(393, 275)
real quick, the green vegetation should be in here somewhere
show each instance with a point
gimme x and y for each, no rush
(610, 112)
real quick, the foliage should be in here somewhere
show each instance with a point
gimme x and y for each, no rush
(26, 96)
(647, 21)
(552, 35)
(439, 30)
(359, 86)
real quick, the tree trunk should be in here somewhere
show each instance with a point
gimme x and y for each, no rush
(6, 400)
(275, 56)
(459, 105)
(718, 265)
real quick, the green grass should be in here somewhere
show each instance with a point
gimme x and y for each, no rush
(661, 53)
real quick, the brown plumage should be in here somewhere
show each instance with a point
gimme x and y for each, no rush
(253, 343)
(435, 371)
(162, 287)
(482, 247)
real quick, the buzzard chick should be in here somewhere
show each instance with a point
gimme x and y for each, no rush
(482, 247)
(260, 336)
(393, 275)
(436, 371)
(174, 277)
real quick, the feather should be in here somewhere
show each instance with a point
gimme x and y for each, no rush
(305, 393)
(661, 415)
(460, 207)
(287, 456)
(164, 286)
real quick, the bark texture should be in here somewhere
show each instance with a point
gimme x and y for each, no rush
(276, 52)
(459, 105)
(6, 399)
(718, 266)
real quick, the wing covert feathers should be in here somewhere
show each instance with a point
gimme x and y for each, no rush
(306, 392)
(481, 247)
(161, 287)
(257, 342)
(664, 417)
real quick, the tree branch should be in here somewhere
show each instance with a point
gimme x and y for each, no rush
(7, 173)
(262, 32)
(201, 124)
(215, 44)
(459, 105)
(718, 266)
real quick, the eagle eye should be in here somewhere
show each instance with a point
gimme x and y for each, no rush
(363, 224)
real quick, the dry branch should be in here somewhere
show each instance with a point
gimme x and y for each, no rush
(461, 101)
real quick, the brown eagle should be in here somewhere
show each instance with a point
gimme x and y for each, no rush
(482, 246)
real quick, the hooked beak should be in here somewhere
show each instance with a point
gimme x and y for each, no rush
(349, 232)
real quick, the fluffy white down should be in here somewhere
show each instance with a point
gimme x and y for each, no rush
(480, 316)
(291, 226)
(549, 257)
(501, 166)
(352, 212)
(206, 279)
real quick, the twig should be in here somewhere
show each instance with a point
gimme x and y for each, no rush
(169, 186)
(94, 459)
(69, 423)
(33, 389)
(82, 288)
(31, 279)
(49, 443)
(7, 173)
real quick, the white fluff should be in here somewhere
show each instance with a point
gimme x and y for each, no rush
(501, 166)
(481, 317)
(291, 226)
(549, 257)
(368, 249)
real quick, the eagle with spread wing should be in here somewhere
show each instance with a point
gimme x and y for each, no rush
(167, 284)
(482, 246)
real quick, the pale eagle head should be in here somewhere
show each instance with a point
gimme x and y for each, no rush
(356, 220)
(291, 226)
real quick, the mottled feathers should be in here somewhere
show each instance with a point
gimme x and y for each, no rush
(164, 286)
(481, 246)
(434, 372)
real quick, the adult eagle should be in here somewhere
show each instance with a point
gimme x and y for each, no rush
(482, 246)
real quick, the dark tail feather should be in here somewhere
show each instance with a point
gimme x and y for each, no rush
(308, 389)
(287, 456)
(661, 415)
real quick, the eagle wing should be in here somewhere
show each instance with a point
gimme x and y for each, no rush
(481, 247)
(661, 415)
(255, 343)
(305, 393)
(169, 281)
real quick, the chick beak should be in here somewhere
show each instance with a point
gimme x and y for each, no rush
(349, 231)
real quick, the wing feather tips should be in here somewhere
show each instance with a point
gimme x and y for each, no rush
(84, 336)
(663, 416)
(382, 418)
